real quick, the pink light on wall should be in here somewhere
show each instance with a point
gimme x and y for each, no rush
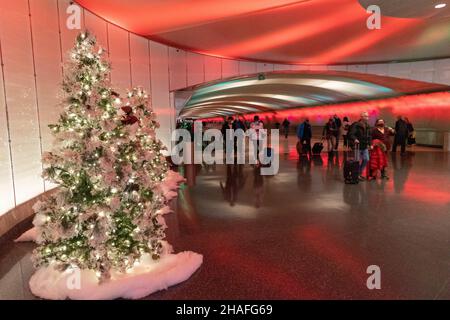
(434, 106)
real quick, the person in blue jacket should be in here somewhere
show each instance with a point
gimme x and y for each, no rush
(304, 134)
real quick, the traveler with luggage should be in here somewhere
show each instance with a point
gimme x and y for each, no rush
(361, 137)
(304, 134)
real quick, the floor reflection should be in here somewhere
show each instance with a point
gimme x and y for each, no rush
(303, 233)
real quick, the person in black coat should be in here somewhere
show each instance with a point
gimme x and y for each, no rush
(338, 123)
(285, 125)
(401, 135)
(360, 134)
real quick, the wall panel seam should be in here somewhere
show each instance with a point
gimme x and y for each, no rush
(7, 124)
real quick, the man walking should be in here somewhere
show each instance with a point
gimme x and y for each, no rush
(401, 135)
(361, 136)
(337, 134)
(286, 124)
(304, 134)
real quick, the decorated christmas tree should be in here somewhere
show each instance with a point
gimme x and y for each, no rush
(109, 166)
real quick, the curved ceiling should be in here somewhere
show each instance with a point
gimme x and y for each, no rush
(288, 31)
(285, 90)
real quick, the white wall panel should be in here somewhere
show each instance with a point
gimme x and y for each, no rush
(400, 70)
(381, 69)
(213, 68)
(247, 67)
(119, 56)
(318, 68)
(358, 68)
(140, 62)
(15, 37)
(230, 68)
(6, 182)
(97, 27)
(442, 71)
(44, 22)
(68, 36)
(177, 68)
(280, 67)
(159, 61)
(337, 68)
(419, 75)
(294, 67)
(195, 68)
(264, 67)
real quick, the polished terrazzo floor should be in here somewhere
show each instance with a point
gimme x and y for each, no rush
(303, 234)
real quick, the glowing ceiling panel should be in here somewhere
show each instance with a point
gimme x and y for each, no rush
(288, 31)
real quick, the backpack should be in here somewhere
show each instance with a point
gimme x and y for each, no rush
(351, 142)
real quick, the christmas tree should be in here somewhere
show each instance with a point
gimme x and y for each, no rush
(109, 165)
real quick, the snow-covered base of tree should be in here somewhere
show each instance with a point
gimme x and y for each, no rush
(148, 277)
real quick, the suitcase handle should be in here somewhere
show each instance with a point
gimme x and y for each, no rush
(357, 153)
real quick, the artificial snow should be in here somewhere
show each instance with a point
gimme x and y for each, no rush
(147, 277)
(30, 235)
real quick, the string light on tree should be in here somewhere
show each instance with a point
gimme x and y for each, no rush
(99, 160)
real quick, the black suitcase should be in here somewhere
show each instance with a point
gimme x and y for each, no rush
(317, 148)
(267, 157)
(351, 169)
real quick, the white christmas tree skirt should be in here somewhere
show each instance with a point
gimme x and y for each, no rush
(146, 278)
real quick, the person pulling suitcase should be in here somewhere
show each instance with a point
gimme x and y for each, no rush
(361, 137)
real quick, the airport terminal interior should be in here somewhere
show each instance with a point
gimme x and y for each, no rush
(109, 112)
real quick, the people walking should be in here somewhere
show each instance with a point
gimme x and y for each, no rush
(239, 124)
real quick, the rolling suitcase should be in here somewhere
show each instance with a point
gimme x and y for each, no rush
(317, 148)
(267, 157)
(351, 168)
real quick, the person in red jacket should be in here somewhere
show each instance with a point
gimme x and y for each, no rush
(380, 142)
